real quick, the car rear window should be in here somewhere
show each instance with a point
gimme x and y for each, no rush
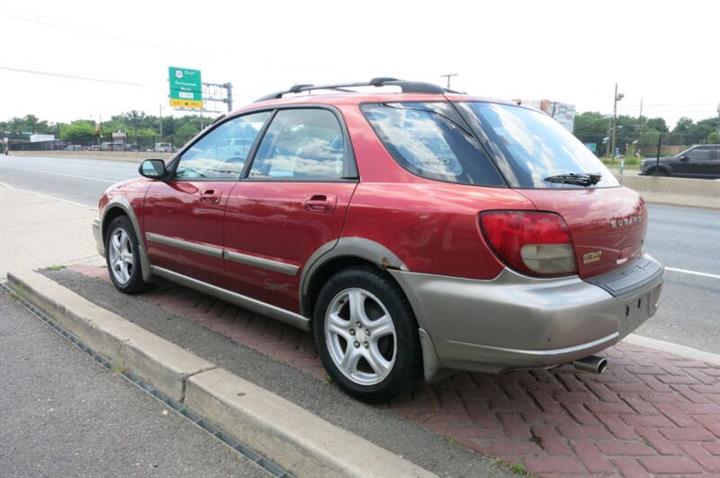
(530, 146)
(432, 141)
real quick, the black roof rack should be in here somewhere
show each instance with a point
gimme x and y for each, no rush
(405, 87)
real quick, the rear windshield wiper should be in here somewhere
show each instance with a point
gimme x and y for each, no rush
(574, 178)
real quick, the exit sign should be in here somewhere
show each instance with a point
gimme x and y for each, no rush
(185, 88)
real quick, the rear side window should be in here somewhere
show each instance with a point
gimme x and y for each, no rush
(430, 140)
(304, 144)
(699, 154)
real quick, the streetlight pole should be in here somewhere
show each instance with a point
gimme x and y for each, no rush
(613, 135)
(448, 76)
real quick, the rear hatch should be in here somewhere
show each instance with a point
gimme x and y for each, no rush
(542, 160)
(607, 225)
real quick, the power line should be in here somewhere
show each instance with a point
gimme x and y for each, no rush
(57, 24)
(74, 77)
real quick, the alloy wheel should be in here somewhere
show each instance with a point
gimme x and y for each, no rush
(122, 259)
(360, 336)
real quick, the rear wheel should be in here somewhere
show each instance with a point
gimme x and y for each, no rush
(366, 334)
(123, 257)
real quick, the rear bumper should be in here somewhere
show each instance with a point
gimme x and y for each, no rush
(514, 321)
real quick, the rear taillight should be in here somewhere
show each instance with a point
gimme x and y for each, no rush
(533, 243)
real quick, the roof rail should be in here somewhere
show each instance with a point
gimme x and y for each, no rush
(405, 87)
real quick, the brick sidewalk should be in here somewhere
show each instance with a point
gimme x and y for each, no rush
(651, 414)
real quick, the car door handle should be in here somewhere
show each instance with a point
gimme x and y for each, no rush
(320, 203)
(210, 196)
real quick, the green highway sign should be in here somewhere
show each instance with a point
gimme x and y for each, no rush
(185, 88)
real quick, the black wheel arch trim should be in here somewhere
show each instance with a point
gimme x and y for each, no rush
(121, 203)
(350, 247)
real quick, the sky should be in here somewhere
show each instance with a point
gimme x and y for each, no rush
(663, 53)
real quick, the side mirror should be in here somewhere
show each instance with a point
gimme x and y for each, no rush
(684, 158)
(153, 169)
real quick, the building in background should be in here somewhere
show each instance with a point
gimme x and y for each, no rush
(563, 113)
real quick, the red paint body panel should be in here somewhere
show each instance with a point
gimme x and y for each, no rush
(431, 226)
(269, 220)
(588, 214)
(133, 191)
(178, 209)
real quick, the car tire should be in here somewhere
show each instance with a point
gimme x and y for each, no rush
(122, 256)
(366, 334)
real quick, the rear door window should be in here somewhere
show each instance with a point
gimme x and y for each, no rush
(301, 144)
(530, 146)
(432, 141)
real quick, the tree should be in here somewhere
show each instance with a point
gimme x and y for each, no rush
(77, 131)
(591, 127)
(27, 124)
(184, 133)
(657, 124)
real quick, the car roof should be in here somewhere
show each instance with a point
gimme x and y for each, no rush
(356, 98)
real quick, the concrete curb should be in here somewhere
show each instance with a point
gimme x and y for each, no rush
(284, 431)
(156, 360)
(297, 440)
(678, 191)
(677, 349)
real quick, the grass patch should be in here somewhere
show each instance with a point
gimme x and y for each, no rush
(55, 267)
(631, 162)
(514, 468)
(117, 368)
(519, 469)
(19, 290)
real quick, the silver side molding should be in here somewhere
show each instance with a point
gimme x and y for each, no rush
(185, 245)
(261, 263)
(277, 313)
(218, 252)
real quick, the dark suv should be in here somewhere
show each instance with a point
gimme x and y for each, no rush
(700, 161)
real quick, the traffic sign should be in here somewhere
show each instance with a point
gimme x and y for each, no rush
(185, 88)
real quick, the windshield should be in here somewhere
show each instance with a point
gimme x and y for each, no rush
(532, 147)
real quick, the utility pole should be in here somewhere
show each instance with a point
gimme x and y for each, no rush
(228, 88)
(642, 125)
(613, 135)
(161, 125)
(448, 76)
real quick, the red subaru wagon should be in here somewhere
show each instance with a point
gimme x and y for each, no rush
(411, 232)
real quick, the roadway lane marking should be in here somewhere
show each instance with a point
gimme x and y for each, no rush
(695, 273)
(49, 196)
(108, 181)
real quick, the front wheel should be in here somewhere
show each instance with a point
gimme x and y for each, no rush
(366, 334)
(123, 256)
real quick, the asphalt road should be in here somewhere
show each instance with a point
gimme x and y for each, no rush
(78, 180)
(63, 414)
(686, 240)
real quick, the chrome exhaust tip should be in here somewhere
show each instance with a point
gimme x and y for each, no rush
(592, 364)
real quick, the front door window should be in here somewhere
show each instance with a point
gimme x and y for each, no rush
(221, 154)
